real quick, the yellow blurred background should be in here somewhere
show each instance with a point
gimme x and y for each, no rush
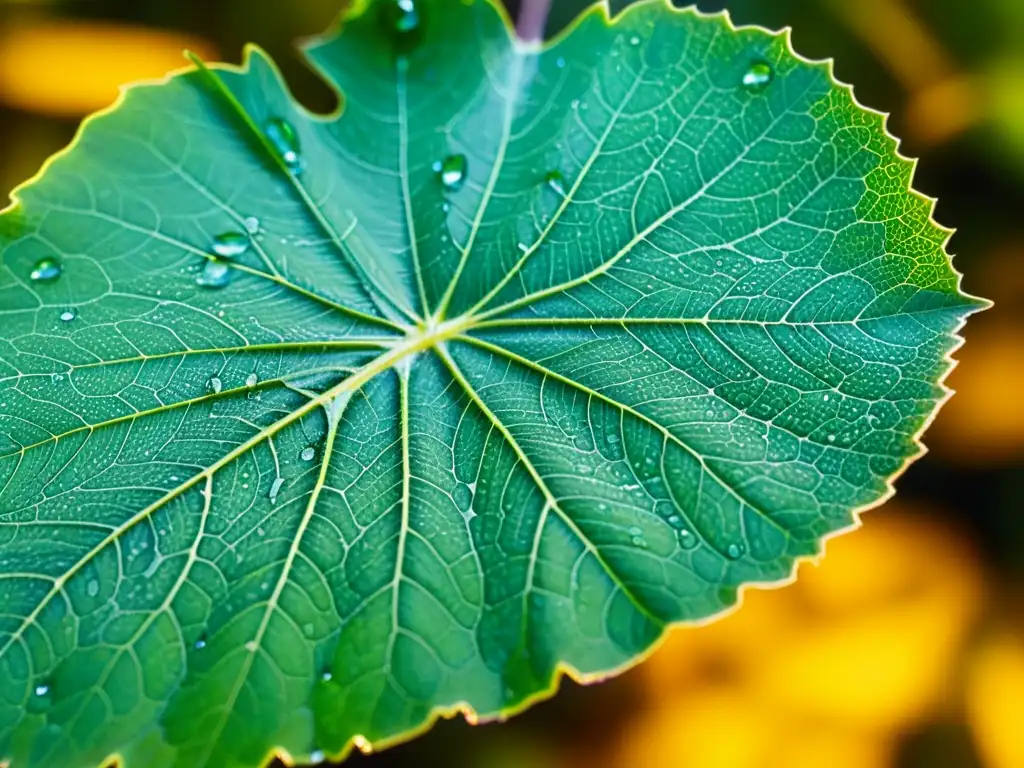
(904, 646)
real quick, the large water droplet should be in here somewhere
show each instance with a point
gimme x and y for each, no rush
(327, 675)
(214, 274)
(40, 699)
(68, 315)
(405, 17)
(252, 225)
(92, 588)
(200, 643)
(556, 181)
(758, 76)
(453, 172)
(275, 489)
(686, 539)
(308, 453)
(735, 551)
(463, 497)
(285, 141)
(252, 379)
(214, 385)
(46, 270)
(316, 756)
(230, 245)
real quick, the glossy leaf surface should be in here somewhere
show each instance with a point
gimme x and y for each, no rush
(313, 428)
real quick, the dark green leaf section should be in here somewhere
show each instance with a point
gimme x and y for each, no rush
(314, 428)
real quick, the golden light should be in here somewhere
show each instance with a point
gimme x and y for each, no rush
(68, 69)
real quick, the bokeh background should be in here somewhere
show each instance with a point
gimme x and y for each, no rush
(904, 648)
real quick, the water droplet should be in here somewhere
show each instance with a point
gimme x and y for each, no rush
(405, 16)
(275, 489)
(68, 315)
(735, 551)
(308, 453)
(560, 62)
(757, 76)
(200, 643)
(686, 539)
(215, 274)
(285, 141)
(46, 270)
(40, 699)
(308, 629)
(675, 521)
(634, 40)
(252, 225)
(556, 181)
(463, 497)
(453, 172)
(326, 676)
(635, 531)
(251, 646)
(214, 385)
(92, 588)
(638, 541)
(252, 379)
(316, 756)
(831, 438)
(231, 245)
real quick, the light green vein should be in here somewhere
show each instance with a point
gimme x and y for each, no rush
(370, 283)
(543, 487)
(640, 415)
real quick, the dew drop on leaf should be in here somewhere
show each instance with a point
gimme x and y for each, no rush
(453, 172)
(214, 275)
(252, 225)
(735, 551)
(252, 379)
(316, 756)
(275, 489)
(230, 245)
(556, 181)
(46, 270)
(214, 385)
(463, 497)
(757, 76)
(308, 453)
(686, 539)
(285, 141)
(326, 676)
(68, 315)
(92, 588)
(405, 16)
(200, 643)
(40, 699)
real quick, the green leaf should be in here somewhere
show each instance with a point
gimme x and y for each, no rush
(314, 429)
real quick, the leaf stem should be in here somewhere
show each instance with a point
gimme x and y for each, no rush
(533, 20)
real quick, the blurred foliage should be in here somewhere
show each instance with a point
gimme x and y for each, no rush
(905, 646)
